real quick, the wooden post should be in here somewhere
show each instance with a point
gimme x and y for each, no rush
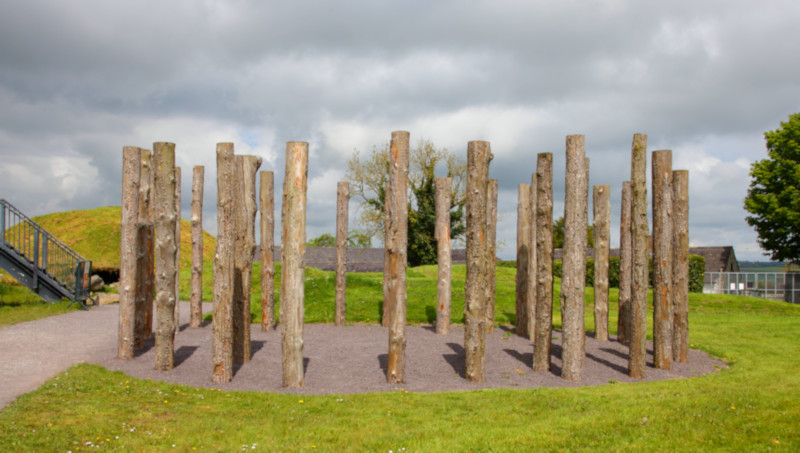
(147, 176)
(625, 257)
(222, 321)
(196, 299)
(293, 242)
(442, 235)
(144, 281)
(342, 210)
(574, 262)
(479, 154)
(491, 251)
(680, 265)
(177, 248)
(397, 229)
(532, 262)
(244, 190)
(544, 262)
(640, 280)
(601, 207)
(166, 246)
(387, 308)
(662, 259)
(131, 165)
(267, 244)
(523, 258)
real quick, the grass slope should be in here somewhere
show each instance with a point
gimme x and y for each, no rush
(94, 234)
(752, 406)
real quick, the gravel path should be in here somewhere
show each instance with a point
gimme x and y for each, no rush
(338, 360)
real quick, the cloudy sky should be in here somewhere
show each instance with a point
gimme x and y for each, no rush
(81, 79)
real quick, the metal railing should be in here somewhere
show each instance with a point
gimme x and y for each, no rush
(783, 286)
(44, 253)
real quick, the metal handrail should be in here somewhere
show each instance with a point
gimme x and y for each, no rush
(44, 252)
(770, 285)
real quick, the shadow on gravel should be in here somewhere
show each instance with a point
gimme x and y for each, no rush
(457, 360)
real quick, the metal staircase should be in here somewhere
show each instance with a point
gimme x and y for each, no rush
(38, 260)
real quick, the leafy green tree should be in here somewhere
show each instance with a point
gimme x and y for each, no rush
(325, 240)
(773, 199)
(355, 240)
(367, 177)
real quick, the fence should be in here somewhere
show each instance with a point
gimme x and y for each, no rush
(783, 286)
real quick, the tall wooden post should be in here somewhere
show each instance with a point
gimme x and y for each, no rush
(244, 190)
(442, 235)
(491, 251)
(387, 308)
(479, 154)
(680, 265)
(147, 176)
(293, 242)
(640, 280)
(625, 258)
(222, 321)
(397, 229)
(574, 262)
(196, 299)
(131, 165)
(165, 216)
(342, 210)
(145, 284)
(144, 281)
(662, 259)
(601, 207)
(544, 262)
(523, 258)
(532, 261)
(177, 270)
(266, 192)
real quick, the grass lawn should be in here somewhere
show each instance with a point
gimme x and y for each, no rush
(752, 406)
(19, 304)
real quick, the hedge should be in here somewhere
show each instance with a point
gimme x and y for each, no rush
(697, 268)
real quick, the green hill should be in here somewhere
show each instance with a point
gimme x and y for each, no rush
(94, 234)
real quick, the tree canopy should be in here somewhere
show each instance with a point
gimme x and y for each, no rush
(773, 199)
(368, 175)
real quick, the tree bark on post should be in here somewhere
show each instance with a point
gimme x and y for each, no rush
(640, 279)
(131, 165)
(146, 179)
(532, 261)
(601, 207)
(387, 308)
(662, 259)
(680, 265)
(196, 299)
(293, 242)
(397, 229)
(177, 320)
(442, 235)
(266, 191)
(625, 258)
(574, 262)
(222, 321)
(544, 262)
(491, 250)
(342, 210)
(244, 190)
(166, 247)
(523, 258)
(145, 284)
(479, 154)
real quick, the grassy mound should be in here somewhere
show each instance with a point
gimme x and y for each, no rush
(94, 234)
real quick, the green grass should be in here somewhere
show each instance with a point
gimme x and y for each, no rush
(752, 406)
(19, 304)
